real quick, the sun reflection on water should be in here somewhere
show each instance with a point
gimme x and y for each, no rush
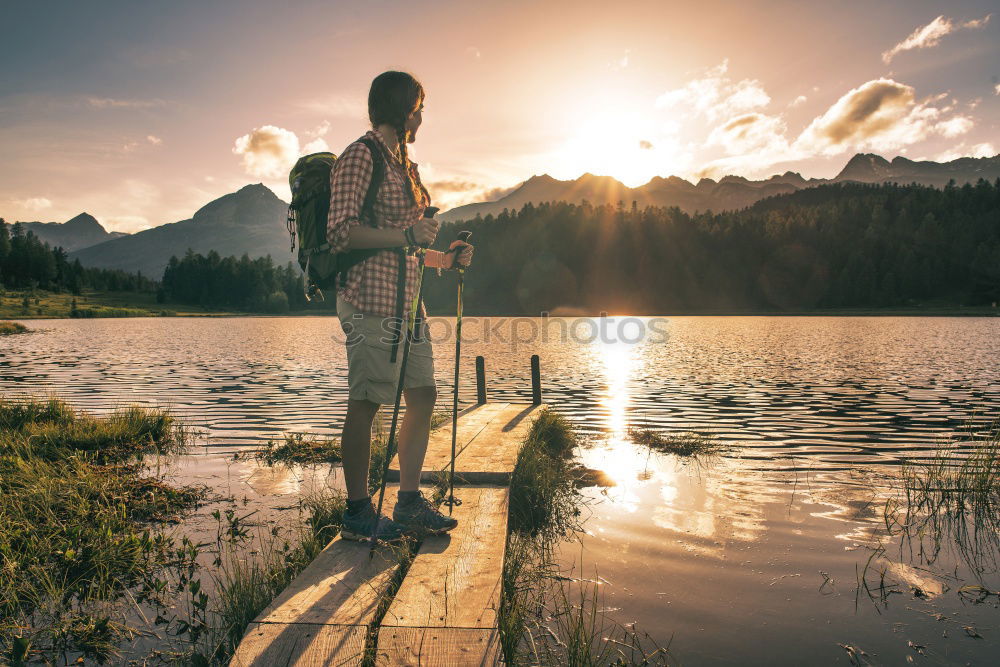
(627, 465)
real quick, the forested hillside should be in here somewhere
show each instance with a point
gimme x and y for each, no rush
(833, 246)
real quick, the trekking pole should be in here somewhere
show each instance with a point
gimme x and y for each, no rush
(390, 444)
(389, 453)
(463, 238)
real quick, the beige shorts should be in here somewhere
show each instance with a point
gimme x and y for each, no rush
(370, 375)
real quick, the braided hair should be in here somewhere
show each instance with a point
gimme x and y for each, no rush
(392, 99)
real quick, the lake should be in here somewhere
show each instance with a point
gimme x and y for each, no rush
(750, 557)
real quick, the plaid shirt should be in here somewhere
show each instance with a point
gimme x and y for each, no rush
(370, 286)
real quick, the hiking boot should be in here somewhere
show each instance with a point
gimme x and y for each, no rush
(420, 515)
(358, 526)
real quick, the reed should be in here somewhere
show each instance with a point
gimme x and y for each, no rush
(952, 499)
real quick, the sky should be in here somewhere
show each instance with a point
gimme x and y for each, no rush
(141, 112)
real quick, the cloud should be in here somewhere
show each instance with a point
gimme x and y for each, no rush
(881, 114)
(113, 103)
(317, 145)
(34, 203)
(452, 185)
(954, 126)
(977, 150)
(132, 223)
(996, 89)
(716, 95)
(797, 101)
(268, 151)
(930, 35)
(751, 132)
(153, 139)
(473, 52)
(493, 194)
(620, 63)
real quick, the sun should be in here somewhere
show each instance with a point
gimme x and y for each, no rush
(620, 143)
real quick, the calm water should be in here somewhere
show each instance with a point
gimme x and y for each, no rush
(750, 558)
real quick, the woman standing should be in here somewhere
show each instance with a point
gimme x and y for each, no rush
(368, 306)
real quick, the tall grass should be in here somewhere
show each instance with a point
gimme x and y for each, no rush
(76, 545)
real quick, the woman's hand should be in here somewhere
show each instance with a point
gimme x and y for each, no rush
(425, 231)
(464, 256)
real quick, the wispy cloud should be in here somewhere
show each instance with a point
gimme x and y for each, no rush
(716, 95)
(34, 203)
(116, 103)
(931, 34)
(153, 139)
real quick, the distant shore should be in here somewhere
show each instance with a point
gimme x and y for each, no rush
(89, 304)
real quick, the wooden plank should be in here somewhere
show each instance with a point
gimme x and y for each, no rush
(491, 456)
(326, 609)
(471, 423)
(301, 645)
(445, 612)
(434, 647)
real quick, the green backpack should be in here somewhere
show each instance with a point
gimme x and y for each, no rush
(309, 181)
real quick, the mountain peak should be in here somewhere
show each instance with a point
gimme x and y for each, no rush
(866, 167)
(85, 221)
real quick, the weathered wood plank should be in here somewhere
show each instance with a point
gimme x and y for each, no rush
(445, 612)
(490, 457)
(301, 645)
(438, 647)
(471, 422)
(322, 617)
(454, 580)
(341, 586)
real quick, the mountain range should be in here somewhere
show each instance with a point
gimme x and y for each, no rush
(78, 232)
(252, 220)
(729, 192)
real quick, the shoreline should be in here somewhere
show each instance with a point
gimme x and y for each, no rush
(888, 312)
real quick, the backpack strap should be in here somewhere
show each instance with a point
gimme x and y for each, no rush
(378, 175)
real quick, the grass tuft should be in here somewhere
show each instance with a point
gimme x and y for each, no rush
(298, 448)
(7, 328)
(685, 443)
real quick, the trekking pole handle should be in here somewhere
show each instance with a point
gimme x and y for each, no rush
(429, 212)
(456, 247)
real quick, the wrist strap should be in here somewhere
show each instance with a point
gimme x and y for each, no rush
(408, 235)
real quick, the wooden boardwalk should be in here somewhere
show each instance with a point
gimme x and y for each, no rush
(444, 610)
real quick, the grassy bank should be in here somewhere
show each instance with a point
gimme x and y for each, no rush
(77, 542)
(91, 303)
(42, 304)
